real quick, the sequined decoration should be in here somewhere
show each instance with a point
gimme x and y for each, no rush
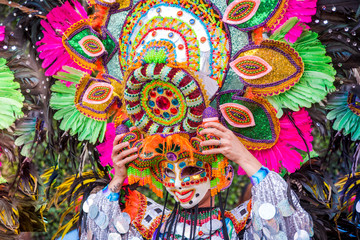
(199, 38)
(94, 96)
(237, 115)
(92, 46)
(265, 133)
(254, 14)
(162, 99)
(287, 67)
(250, 67)
(240, 11)
(86, 46)
(354, 103)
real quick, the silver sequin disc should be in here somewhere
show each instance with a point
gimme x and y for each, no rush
(87, 204)
(215, 225)
(357, 207)
(126, 217)
(267, 211)
(114, 236)
(93, 211)
(102, 220)
(121, 226)
(301, 235)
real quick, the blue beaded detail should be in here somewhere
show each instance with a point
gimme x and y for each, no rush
(182, 164)
(192, 21)
(151, 103)
(160, 90)
(175, 102)
(111, 196)
(259, 175)
(166, 115)
(170, 166)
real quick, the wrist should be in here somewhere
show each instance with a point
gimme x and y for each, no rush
(116, 184)
(257, 177)
(111, 196)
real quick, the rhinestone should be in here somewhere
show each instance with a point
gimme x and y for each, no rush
(317, 21)
(13, 48)
(339, 64)
(9, 2)
(30, 15)
(330, 31)
(333, 9)
(348, 40)
(354, 44)
(5, 47)
(353, 33)
(28, 90)
(346, 29)
(325, 21)
(26, 29)
(20, 26)
(14, 14)
(339, 36)
(323, 7)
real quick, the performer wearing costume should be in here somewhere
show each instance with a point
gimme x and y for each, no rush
(169, 91)
(186, 174)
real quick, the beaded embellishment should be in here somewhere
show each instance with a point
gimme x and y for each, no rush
(198, 37)
(237, 115)
(86, 46)
(240, 11)
(272, 67)
(354, 103)
(264, 134)
(161, 99)
(95, 96)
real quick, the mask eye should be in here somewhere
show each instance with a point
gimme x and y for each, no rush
(170, 173)
(191, 170)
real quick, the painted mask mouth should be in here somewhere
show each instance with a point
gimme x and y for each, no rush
(184, 196)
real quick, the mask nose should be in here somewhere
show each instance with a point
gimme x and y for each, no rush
(178, 183)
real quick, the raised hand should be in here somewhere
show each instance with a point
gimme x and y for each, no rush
(121, 155)
(230, 146)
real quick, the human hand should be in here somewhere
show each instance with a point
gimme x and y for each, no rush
(120, 156)
(230, 146)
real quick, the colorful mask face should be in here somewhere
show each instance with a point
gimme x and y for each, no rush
(187, 182)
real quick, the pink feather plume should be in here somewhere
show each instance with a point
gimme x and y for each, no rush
(50, 47)
(105, 148)
(303, 10)
(283, 153)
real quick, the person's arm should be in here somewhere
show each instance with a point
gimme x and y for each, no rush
(230, 147)
(272, 215)
(103, 218)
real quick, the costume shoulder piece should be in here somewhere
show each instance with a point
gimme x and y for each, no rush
(145, 214)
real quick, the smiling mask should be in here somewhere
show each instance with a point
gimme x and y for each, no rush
(186, 181)
(176, 162)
